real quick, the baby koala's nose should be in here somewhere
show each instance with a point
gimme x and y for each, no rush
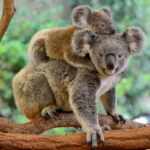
(113, 31)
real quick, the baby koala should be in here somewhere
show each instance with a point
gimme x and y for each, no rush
(56, 43)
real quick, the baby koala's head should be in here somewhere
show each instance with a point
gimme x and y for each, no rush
(97, 21)
(108, 53)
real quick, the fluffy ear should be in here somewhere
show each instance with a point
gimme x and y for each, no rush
(108, 11)
(135, 38)
(82, 41)
(80, 16)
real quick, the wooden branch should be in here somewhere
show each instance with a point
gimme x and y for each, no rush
(127, 139)
(8, 12)
(40, 125)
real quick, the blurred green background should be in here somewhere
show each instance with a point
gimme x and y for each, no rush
(133, 91)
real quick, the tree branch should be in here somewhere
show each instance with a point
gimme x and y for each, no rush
(8, 12)
(40, 125)
(129, 139)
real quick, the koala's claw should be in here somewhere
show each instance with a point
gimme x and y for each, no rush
(49, 112)
(94, 136)
(106, 128)
(118, 118)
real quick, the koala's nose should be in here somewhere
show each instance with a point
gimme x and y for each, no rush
(93, 36)
(110, 61)
(113, 31)
(110, 66)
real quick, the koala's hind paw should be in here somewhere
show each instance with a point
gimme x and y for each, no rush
(106, 128)
(94, 135)
(49, 112)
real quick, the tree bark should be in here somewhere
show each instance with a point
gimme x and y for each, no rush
(8, 12)
(127, 139)
(40, 125)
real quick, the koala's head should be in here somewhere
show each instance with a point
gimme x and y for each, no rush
(97, 21)
(108, 53)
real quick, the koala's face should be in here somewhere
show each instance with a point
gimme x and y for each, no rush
(101, 22)
(97, 21)
(108, 53)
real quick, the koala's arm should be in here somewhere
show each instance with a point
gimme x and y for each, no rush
(83, 102)
(77, 61)
(109, 102)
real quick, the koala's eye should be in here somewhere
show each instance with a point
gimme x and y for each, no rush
(102, 25)
(120, 55)
(101, 55)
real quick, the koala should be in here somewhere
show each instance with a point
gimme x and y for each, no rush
(56, 43)
(52, 85)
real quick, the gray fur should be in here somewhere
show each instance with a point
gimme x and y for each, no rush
(56, 84)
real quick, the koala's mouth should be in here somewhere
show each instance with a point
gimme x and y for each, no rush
(109, 72)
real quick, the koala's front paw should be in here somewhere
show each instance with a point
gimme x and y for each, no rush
(93, 135)
(118, 118)
(49, 112)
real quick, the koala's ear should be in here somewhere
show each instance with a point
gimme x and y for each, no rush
(80, 16)
(135, 39)
(108, 11)
(82, 42)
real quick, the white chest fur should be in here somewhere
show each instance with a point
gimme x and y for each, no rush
(106, 84)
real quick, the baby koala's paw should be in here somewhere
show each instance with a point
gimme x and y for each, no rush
(49, 112)
(93, 135)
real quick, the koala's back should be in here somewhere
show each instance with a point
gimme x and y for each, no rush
(58, 40)
(50, 43)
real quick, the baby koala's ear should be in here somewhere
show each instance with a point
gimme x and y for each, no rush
(108, 11)
(135, 39)
(80, 16)
(82, 42)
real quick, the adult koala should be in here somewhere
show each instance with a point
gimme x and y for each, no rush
(58, 85)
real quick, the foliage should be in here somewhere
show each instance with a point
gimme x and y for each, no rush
(35, 15)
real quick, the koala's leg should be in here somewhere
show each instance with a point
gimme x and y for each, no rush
(109, 102)
(77, 61)
(32, 93)
(83, 102)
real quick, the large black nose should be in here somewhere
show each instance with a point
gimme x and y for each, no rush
(110, 66)
(110, 61)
